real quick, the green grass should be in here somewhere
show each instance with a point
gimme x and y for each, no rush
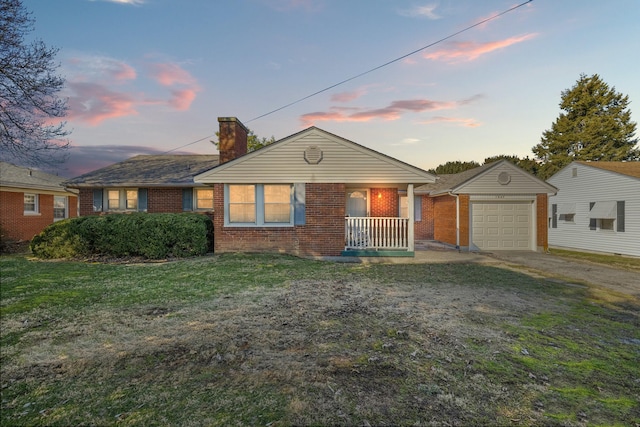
(278, 340)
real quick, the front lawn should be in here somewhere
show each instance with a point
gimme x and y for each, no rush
(275, 340)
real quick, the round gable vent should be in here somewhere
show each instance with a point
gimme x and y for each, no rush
(313, 155)
(504, 178)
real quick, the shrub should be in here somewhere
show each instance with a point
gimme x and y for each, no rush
(152, 236)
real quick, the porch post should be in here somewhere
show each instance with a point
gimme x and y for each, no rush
(410, 234)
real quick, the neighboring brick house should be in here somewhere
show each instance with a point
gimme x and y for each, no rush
(30, 200)
(146, 183)
(497, 206)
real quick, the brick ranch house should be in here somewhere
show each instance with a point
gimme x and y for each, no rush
(30, 200)
(310, 194)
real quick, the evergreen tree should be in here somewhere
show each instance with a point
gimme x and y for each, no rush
(595, 124)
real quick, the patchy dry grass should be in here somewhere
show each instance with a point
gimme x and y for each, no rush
(274, 340)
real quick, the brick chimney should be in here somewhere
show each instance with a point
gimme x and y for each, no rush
(232, 142)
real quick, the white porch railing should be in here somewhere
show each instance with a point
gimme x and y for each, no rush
(385, 233)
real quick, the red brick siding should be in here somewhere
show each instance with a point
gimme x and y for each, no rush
(542, 235)
(444, 222)
(19, 226)
(384, 202)
(164, 200)
(322, 235)
(463, 200)
(86, 202)
(423, 229)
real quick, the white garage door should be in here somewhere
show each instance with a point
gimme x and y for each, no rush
(502, 226)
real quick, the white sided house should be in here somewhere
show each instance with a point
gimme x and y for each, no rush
(597, 207)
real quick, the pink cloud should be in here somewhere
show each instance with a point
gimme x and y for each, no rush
(469, 51)
(470, 123)
(347, 96)
(393, 111)
(170, 74)
(181, 99)
(184, 86)
(93, 103)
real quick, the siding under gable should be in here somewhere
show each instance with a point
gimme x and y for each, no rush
(342, 162)
(519, 182)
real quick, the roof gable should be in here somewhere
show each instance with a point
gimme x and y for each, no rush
(501, 177)
(145, 170)
(315, 155)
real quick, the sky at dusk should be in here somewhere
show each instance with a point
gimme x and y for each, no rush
(150, 76)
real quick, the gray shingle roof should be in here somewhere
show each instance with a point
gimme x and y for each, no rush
(148, 170)
(22, 177)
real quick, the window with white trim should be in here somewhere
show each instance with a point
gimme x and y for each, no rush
(120, 199)
(60, 208)
(203, 198)
(30, 203)
(259, 205)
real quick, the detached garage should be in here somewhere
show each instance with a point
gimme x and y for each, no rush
(494, 207)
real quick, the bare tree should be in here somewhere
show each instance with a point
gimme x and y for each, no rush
(29, 87)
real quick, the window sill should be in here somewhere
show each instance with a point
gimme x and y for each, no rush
(32, 214)
(251, 225)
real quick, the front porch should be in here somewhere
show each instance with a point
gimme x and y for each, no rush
(377, 236)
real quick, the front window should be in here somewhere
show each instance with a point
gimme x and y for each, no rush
(122, 199)
(277, 203)
(30, 203)
(204, 198)
(259, 205)
(59, 207)
(242, 203)
(132, 199)
(113, 202)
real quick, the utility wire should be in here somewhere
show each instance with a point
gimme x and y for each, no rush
(400, 58)
(392, 61)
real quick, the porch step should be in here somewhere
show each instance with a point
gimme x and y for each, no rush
(374, 253)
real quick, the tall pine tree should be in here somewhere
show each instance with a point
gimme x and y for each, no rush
(595, 124)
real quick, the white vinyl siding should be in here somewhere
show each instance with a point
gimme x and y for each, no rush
(342, 162)
(605, 189)
(520, 182)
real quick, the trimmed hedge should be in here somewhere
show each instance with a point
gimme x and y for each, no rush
(152, 236)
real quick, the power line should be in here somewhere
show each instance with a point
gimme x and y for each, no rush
(392, 61)
(400, 58)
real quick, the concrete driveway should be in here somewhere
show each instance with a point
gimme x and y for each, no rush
(624, 281)
(570, 271)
